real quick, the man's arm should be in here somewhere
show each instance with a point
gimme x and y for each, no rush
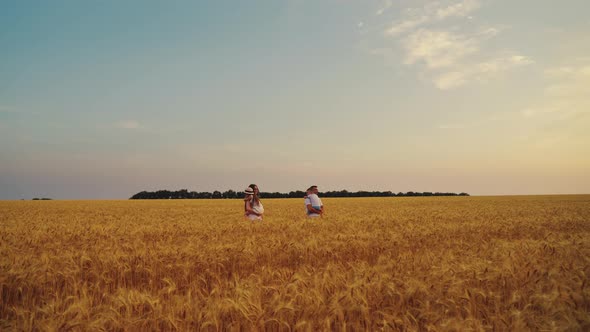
(312, 210)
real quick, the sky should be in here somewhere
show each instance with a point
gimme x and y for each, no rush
(103, 99)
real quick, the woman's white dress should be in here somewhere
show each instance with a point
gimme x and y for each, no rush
(256, 207)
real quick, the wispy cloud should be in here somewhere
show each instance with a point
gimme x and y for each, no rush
(451, 126)
(436, 49)
(566, 89)
(16, 110)
(400, 27)
(448, 56)
(482, 71)
(385, 5)
(6, 109)
(563, 107)
(572, 82)
(450, 80)
(461, 9)
(568, 71)
(545, 109)
(431, 13)
(128, 124)
(495, 118)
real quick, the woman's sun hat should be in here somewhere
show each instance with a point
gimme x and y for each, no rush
(249, 191)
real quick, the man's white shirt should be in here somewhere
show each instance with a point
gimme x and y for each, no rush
(315, 202)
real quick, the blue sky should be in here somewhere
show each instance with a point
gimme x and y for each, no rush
(102, 99)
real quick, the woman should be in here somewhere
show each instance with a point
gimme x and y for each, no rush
(253, 209)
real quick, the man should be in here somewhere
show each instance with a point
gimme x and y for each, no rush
(313, 204)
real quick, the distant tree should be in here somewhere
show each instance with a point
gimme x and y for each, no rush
(296, 194)
(205, 195)
(231, 194)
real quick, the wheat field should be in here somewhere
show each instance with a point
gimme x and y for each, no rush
(393, 264)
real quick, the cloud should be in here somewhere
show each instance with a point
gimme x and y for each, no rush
(450, 80)
(570, 81)
(451, 126)
(128, 124)
(431, 13)
(559, 71)
(501, 64)
(568, 71)
(15, 110)
(460, 9)
(558, 110)
(406, 25)
(535, 111)
(562, 110)
(457, 55)
(451, 56)
(437, 48)
(489, 32)
(482, 71)
(6, 109)
(567, 89)
(442, 48)
(384, 6)
(518, 60)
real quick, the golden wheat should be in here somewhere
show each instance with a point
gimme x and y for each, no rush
(440, 264)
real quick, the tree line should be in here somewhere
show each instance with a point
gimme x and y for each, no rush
(229, 194)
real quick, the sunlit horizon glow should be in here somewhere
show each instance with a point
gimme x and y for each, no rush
(103, 100)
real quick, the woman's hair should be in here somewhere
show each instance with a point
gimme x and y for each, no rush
(255, 196)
